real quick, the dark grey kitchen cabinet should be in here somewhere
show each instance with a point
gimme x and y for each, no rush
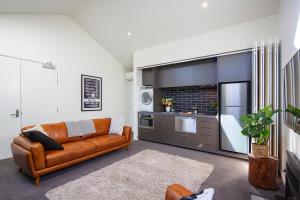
(148, 77)
(202, 72)
(235, 67)
(207, 134)
(205, 73)
(163, 127)
(184, 139)
(206, 137)
(147, 134)
(167, 77)
(184, 75)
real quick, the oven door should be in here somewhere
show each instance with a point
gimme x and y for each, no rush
(146, 121)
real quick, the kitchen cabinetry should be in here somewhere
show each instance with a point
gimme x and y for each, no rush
(202, 72)
(207, 134)
(185, 131)
(167, 77)
(147, 134)
(234, 68)
(148, 77)
(205, 73)
(163, 126)
(205, 137)
(229, 68)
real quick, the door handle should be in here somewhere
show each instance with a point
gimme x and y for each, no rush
(17, 114)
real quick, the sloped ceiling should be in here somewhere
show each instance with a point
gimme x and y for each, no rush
(150, 22)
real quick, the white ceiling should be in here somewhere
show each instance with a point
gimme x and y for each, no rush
(151, 22)
(40, 6)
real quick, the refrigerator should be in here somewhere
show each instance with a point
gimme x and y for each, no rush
(234, 102)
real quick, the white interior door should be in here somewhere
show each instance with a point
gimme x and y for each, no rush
(39, 94)
(10, 103)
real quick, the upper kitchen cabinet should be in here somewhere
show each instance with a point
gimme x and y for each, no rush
(202, 72)
(166, 77)
(148, 78)
(235, 67)
(205, 72)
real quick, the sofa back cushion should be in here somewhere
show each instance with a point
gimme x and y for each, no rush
(102, 126)
(57, 131)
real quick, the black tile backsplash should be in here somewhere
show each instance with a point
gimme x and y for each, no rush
(190, 98)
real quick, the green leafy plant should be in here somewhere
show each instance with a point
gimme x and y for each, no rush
(214, 105)
(293, 110)
(257, 125)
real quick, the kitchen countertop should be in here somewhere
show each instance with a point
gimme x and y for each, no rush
(182, 114)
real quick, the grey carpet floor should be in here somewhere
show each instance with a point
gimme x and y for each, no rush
(229, 178)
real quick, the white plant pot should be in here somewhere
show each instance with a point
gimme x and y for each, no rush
(168, 108)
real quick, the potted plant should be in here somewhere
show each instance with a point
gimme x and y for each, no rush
(214, 105)
(167, 102)
(257, 127)
(295, 113)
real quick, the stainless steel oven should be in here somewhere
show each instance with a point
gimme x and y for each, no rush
(146, 120)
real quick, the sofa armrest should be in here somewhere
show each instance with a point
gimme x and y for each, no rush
(35, 148)
(176, 192)
(23, 158)
(127, 132)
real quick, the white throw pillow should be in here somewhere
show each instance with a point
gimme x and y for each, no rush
(207, 194)
(116, 125)
(37, 128)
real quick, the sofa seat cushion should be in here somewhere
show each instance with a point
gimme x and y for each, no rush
(72, 150)
(107, 141)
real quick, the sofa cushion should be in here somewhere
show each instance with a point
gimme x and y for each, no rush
(101, 126)
(72, 150)
(116, 125)
(107, 141)
(57, 131)
(35, 128)
(47, 142)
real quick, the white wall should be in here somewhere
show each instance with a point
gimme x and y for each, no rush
(228, 39)
(232, 38)
(290, 35)
(59, 39)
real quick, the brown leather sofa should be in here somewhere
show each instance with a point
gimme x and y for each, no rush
(34, 160)
(176, 192)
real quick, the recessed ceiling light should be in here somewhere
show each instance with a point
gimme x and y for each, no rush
(204, 4)
(129, 33)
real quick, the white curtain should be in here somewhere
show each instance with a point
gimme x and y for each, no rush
(266, 85)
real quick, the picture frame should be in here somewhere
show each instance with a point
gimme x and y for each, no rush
(91, 93)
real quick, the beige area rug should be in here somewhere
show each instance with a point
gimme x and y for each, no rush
(142, 176)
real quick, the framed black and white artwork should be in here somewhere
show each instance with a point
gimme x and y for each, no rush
(91, 93)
